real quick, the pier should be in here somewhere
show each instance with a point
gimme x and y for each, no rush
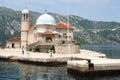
(94, 65)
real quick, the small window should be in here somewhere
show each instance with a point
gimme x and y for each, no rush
(64, 35)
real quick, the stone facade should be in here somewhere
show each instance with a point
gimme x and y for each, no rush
(46, 33)
(67, 49)
(45, 30)
(25, 25)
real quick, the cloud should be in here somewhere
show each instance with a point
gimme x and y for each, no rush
(43, 2)
(85, 1)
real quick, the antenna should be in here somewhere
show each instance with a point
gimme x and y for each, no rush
(68, 20)
(68, 34)
(45, 11)
(25, 4)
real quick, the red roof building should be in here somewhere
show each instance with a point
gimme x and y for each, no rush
(48, 32)
(15, 39)
(62, 25)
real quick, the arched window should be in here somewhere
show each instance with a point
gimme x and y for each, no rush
(26, 16)
(64, 35)
(48, 39)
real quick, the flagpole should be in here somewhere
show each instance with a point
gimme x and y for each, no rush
(68, 35)
(68, 20)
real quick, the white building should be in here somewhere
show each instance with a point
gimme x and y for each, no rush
(44, 33)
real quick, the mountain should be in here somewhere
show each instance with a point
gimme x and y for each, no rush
(86, 31)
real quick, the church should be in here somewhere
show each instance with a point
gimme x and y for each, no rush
(45, 33)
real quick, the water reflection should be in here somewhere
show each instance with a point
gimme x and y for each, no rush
(32, 72)
(19, 71)
(9, 71)
(115, 77)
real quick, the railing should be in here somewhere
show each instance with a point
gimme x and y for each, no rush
(56, 42)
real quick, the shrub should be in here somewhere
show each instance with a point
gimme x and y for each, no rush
(52, 47)
(36, 49)
(30, 49)
(78, 43)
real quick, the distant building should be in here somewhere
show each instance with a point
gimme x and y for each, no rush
(13, 43)
(45, 33)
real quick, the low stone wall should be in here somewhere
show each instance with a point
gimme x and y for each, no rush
(81, 66)
(51, 61)
(94, 65)
(67, 49)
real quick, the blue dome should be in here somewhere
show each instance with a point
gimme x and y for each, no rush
(45, 19)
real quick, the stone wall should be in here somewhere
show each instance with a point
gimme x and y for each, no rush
(44, 48)
(67, 49)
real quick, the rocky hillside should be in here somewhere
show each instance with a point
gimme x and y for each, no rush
(86, 31)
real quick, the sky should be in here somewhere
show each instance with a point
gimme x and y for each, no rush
(100, 10)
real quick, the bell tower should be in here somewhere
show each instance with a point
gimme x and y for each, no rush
(25, 24)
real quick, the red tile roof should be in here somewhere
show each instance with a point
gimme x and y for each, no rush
(48, 32)
(15, 39)
(62, 25)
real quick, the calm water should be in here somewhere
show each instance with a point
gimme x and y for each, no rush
(111, 51)
(19, 71)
